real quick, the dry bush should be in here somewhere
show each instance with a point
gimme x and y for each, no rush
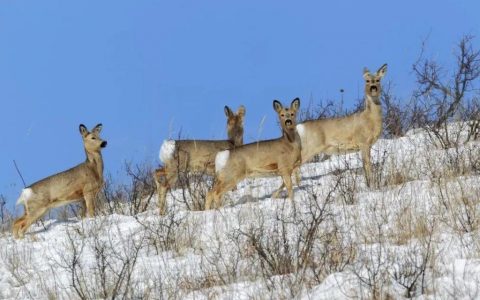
(173, 232)
(443, 97)
(290, 250)
(192, 189)
(133, 197)
(99, 265)
(6, 217)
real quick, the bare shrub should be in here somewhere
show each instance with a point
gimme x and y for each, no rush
(443, 96)
(132, 197)
(110, 273)
(6, 217)
(460, 202)
(294, 249)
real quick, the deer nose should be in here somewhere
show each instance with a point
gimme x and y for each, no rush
(103, 144)
(373, 88)
(288, 122)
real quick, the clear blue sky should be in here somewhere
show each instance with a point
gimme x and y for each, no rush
(150, 69)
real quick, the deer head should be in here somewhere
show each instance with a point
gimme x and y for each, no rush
(235, 125)
(287, 117)
(92, 140)
(373, 87)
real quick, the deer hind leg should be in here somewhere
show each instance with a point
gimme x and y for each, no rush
(162, 188)
(279, 190)
(83, 209)
(298, 176)
(165, 182)
(28, 219)
(216, 193)
(367, 165)
(17, 225)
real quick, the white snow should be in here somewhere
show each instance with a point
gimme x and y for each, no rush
(167, 150)
(425, 207)
(221, 160)
(24, 196)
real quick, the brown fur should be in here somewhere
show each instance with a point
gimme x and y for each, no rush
(197, 156)
(273, 157)
(355, 132)
(80, 183)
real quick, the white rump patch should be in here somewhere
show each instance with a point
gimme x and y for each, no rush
(301, 130)
(24, 196)
(167, 150)
(221, 160)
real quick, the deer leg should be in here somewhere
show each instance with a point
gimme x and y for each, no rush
(279, 190)
(90, 204)
(28, 219)
(367, 165)
(169, 181)
(216, 193)
(83, 209)
(209, 199)
(298, 176)
(19, 223)
(287, 181)
(162, 187)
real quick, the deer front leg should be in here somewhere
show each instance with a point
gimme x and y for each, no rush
(367, 165)
(287, 180)
(90, 204)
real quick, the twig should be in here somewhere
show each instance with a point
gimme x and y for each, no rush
(18, 171)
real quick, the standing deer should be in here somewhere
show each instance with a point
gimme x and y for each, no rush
(355, 132)
(180, 156)
(264, 158)
(82, 182)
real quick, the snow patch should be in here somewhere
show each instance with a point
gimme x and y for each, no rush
(167, 150)
(24, 196)
(221, 160)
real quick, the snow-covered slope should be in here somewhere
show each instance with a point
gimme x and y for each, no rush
(415, 234)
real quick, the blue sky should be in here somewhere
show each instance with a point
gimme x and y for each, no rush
(148, 70)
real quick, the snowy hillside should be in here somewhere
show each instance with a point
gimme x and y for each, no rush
(414, 235)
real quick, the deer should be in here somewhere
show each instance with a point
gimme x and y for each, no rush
(78, 184)
(351, 133)
(260, 159)
(190, 156)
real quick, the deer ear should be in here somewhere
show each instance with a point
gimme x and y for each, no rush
(228, 111)
(366, 73)
(277, 106)
(382, 71)
(97, 128)
(295, 105)
(83, 130)
(241, 111)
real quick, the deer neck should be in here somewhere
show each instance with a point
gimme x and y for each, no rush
(236, 137)
(373, 105)
(290, 134)
(94, 158)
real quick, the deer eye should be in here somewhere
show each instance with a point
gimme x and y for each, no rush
(378, 80)
(368, 81)
(94, 138)
(283, 115)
